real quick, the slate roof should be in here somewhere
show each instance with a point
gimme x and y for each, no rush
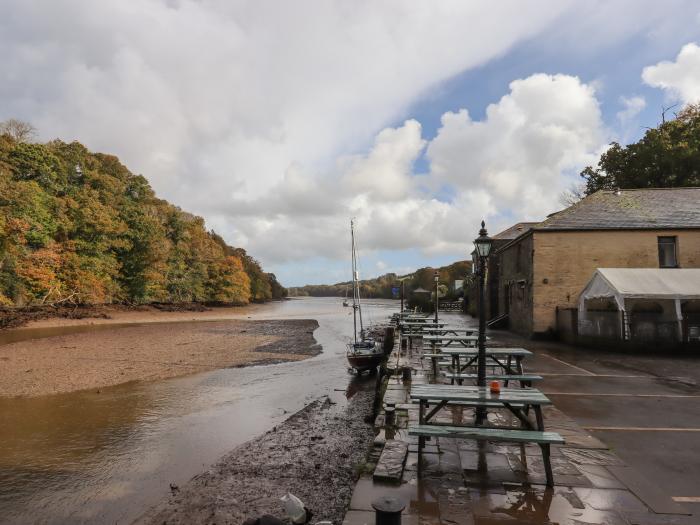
(514, 231)
(662, 208)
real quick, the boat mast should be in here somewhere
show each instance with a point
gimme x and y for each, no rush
(354, 288)
(356, 308)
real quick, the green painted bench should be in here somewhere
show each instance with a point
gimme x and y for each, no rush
(487, 404)
(524, 379)
(543, 439)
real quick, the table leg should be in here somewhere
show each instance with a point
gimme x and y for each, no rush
(538, 416)
(421, 420)
(547, 464)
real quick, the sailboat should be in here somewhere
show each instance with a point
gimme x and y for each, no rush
(345, 301)
(363, 353)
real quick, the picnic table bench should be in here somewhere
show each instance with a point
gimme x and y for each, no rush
(543, 439)
(524, 379)
(517, 400)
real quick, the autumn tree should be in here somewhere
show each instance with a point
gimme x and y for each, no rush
(18, 130)
(79, 227)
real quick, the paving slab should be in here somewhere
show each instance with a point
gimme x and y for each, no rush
(461, 481)
(647, 491)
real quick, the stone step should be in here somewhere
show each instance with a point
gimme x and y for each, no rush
(392, 461)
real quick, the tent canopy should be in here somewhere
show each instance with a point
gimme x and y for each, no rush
(642, 283)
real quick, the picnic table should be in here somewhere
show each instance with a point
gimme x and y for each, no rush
(410, 328)
(450, 340)
(516, 400)
(508, 359)
(523, 379)
(450, 330)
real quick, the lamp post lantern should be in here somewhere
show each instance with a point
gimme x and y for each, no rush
(437, 282)
(483, 245)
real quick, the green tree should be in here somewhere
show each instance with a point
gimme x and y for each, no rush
(667, 156)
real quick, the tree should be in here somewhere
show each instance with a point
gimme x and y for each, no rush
(18, 130)
(79, 227)
(667, 156)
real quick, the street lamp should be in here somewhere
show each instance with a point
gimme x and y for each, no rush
(437, 281)
(483, 245)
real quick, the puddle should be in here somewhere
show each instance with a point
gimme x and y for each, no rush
(85, 457)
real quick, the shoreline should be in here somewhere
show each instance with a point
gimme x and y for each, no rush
(145, 351)
(47, 316)
(315, 454)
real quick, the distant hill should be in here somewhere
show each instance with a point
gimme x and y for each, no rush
(78, 227)
(381, 287)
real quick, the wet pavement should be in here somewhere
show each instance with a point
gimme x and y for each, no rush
(610, 477)
(106, 457)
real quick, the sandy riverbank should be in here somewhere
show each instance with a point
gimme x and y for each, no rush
(155, 350)
(47, 317)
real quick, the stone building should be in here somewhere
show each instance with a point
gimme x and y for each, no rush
(545, 268)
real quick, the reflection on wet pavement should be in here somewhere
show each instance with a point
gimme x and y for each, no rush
(461, 481)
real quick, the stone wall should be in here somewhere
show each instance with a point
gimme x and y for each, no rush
(515, 285)
(565, 261)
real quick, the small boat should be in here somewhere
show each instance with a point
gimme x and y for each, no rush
(345, 301)
(363, 353)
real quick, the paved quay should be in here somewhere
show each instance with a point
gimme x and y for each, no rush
(461, 481)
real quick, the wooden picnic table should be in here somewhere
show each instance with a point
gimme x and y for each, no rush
(517, 401)
(450, 330)
(445, 341)
(509, 359)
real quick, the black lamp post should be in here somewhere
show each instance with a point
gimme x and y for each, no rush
(437, 281)
(483, 249)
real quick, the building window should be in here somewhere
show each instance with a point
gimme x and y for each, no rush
(667, 252)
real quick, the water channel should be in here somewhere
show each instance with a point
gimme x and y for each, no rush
(88, 457)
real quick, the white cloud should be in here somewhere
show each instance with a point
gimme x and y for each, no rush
(514, 163)
(632, 107)
(546, 126)
(253, 113)
(680, 79)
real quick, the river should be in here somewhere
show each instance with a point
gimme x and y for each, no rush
(88, 457)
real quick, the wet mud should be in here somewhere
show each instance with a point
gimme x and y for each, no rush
(115, 355)
(317, 455)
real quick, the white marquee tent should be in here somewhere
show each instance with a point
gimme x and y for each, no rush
(664, 285)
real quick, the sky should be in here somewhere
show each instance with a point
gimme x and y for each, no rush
(280, 121)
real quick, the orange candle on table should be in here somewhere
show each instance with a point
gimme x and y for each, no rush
(495, 387)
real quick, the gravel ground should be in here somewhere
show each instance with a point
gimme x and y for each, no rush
(314, 454)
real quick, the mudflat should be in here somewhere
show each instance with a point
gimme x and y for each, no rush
(314, 455)
(143, 352)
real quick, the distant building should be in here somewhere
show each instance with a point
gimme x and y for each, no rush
(543, 269)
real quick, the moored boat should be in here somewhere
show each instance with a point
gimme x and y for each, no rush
(363, 353)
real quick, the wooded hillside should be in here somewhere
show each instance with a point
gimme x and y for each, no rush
(79, 227)
(381, 287)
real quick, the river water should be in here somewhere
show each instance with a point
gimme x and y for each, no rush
(106, 457)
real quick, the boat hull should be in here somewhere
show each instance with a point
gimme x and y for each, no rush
(364, 355)
(363, 362)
